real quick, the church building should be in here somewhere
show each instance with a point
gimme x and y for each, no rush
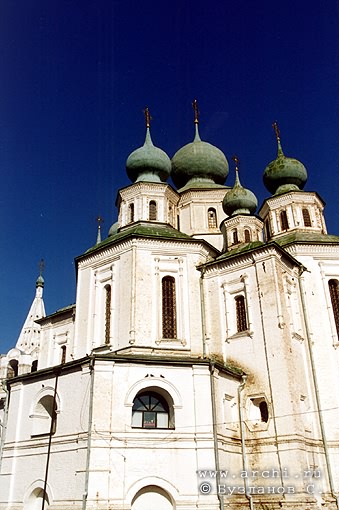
(193, 371)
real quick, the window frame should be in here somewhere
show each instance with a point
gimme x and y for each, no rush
(150, 407)
(169, 328)
(240, 313)
(152, 210)
(212, 218)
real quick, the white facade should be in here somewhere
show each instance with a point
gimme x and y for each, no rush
(197, 369)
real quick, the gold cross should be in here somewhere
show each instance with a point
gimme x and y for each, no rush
(41, 266)
(147, 117)
(196, 111)
(276, 130)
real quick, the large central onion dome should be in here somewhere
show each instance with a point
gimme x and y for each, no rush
(198, 162)
(284, 174)
(239, 200)
(148, 163)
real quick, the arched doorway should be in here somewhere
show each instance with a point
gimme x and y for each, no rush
(152, 498)
(35, 500)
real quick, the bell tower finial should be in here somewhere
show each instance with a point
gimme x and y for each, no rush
(99, 221)
(236, 161)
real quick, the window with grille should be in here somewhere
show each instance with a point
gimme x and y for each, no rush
(333, 286)
(150, 411)
(306, 218)
(212, 218)
(169, 319)
(240, 310)
(108, 298)
(152, 210)
(131, 212)
(247, 234)
(235, 236)
(283, 220)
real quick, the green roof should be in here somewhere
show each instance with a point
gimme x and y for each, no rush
(142, 229)
(192, 185)
(306, 237)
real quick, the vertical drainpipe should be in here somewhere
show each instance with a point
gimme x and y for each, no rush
(215, 436)
(57, 372)
(89, 433)
(315, 383)
(243, 446)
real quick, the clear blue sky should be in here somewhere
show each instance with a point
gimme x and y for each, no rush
(75, 78)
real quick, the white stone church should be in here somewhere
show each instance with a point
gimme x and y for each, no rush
(199, 367)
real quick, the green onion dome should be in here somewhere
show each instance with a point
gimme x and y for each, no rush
(114, 229)
(199, 162)
(239, 200)
(284, 174)
(148, 163)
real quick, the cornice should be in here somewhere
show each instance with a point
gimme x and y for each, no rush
(177, 246)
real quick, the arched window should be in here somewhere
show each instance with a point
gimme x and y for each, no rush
(333, 286)
(258, 410)
(306, 218)
(34, 367)
(247, 234)
(267, 230)
(63, 353)
(169, 316)
(131, 213)
(235, 236)
(283, 220)
(152, 210)
(150, 411)
(108, 300)
(212, 218)
(240, 311)
(12, 368)
(44, 416)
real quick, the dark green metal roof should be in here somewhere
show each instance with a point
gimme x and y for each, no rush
(306, 238)
(144, 229)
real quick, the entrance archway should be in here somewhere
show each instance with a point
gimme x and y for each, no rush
(35, 500)
(152, 498)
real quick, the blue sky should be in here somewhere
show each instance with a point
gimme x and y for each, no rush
(76, 76)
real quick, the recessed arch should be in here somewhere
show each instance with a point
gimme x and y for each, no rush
(170, 492)
(152, 497)
(35, 494)
(159, 385)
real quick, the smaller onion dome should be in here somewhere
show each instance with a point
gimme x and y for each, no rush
(40, 282)
(198, 161)
(239, 200)
(114, 229)
(284, 174)
(148, 163)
